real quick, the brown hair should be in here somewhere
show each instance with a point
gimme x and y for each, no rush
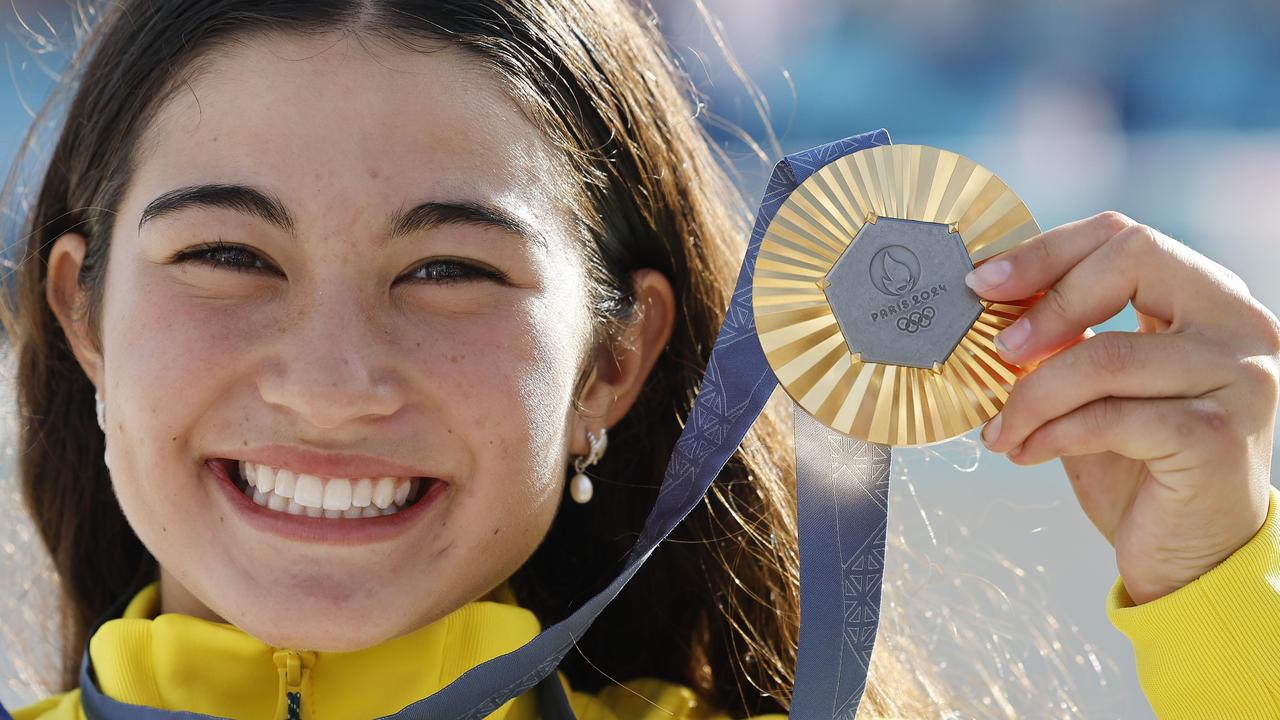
(719, 600)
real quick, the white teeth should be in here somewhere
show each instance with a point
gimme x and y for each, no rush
(301, 494)
(284, 479)
(362, 493)
(309, 491)
(384, 492)
(337, 494)
(266, 477)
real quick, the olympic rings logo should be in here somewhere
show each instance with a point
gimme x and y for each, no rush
(916, 321)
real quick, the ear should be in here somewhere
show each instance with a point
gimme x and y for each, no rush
(63, 293)
(620, 375)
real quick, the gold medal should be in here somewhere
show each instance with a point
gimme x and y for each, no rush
(859, 299)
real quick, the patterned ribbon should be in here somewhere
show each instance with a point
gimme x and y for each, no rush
(842, 499)
(842, 487)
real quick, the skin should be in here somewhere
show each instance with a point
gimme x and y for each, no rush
(1165, 433)
(328, 343)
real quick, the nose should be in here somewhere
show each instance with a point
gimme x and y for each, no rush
(333, 364)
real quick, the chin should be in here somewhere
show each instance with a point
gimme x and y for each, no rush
(312, 612)
(333, 636)
(325, 630)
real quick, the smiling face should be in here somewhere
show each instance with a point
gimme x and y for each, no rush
(338, 326)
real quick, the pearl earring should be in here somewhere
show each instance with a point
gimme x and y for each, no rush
(580, 488)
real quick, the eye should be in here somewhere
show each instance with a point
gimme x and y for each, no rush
(447, 272)
(239, 258)
(224, 255)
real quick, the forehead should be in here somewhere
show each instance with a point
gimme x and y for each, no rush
(339, 122)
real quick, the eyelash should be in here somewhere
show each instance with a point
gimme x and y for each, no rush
(205, 255)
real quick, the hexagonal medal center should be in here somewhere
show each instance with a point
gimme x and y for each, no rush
(898, 292)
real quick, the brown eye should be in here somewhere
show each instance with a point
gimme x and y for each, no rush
(224, 255)
(447, 272)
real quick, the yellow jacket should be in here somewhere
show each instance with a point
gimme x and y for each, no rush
(1208, 650)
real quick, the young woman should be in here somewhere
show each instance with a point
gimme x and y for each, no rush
(359, 284)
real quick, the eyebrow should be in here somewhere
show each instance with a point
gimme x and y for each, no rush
(405, 221)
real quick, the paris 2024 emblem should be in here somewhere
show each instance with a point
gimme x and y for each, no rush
(895, 270)
(898, 292)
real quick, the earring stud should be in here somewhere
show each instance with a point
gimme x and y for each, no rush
(581, 488)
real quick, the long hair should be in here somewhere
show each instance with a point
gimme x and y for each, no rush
(716, 606)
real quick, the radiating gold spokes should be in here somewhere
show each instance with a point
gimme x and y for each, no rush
(879, 402)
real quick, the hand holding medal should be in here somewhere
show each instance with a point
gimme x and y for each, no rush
(862, 311)
(1165, 434)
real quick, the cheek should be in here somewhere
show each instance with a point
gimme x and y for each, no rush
(513, 378)
(511, 386)
(168, 359)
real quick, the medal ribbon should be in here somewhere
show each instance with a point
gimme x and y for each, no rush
(842, 487)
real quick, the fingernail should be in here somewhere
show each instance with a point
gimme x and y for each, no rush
(988, 275)
(1014, 336)
(991, 432)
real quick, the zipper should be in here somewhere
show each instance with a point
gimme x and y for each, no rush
(292, 666)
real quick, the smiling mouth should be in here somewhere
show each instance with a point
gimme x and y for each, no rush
(293, 493)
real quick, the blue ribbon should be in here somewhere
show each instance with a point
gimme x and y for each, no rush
(842, 501)
(842, 487)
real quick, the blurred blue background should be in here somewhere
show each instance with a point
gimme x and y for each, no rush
(1164, 111)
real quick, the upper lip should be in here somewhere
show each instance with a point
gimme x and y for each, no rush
(326, 464)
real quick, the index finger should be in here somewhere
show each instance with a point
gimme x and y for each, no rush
(1109, 260)
(1039, 262)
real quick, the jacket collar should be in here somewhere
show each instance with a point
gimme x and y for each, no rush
(179, 662)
